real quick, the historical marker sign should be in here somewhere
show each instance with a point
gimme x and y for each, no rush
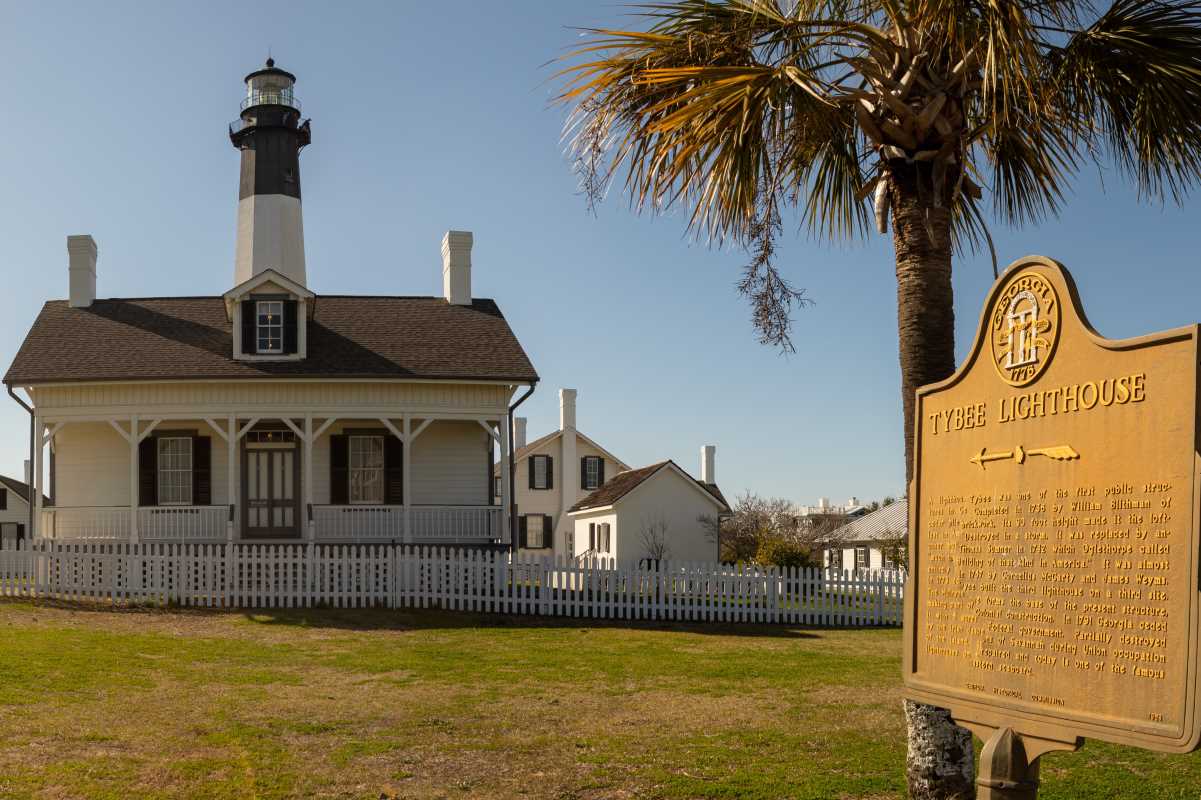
(1053, 526)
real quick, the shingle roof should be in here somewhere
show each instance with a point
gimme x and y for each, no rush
(889, 522)
(623, 483)
(19, 488)
(187, 338)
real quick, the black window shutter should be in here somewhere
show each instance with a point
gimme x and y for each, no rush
(4, 499)
(591, 535)
(529, 465)
(291, 332)
(600, 471)
(248, 341)
(339, 470)
(202, 471)
(148, 472)
(522, 530)
(548, 533)
(394, 487)
(550, 472)
(584, 472)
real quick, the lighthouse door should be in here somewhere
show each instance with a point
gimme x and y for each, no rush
(270, 472)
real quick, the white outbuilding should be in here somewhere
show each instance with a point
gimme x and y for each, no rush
(654, 512)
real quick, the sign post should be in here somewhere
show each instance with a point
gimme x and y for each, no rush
(1053, 535)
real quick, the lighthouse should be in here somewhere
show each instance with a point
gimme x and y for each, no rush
(270, 134)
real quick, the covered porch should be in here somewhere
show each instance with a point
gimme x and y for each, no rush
(286, 477)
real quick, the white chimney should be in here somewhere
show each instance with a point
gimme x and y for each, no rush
(28, 473)
(519, 432)
(708, 464)
(456, 267)
(853, 502)
(567, 409)
(823, 503)
(81, 267)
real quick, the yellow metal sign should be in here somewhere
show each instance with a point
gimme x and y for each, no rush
(1053, 527)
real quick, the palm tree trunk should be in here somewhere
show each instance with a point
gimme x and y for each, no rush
(939, 765)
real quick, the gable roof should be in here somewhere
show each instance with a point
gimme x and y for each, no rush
(190, 338)
(534, 446)
(889, 522)
(623, 483)
(20, 489)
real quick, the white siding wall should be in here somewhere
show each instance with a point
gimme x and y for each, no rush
(91, 462)
(17, 511)
(874, 552)
(449, 462)
(580, 525)
(567, 477)
(674, 499)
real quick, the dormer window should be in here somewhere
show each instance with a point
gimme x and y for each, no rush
(270, 314)
(269, 326)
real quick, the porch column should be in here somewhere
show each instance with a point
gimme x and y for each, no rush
(35, 479)
(308, 469)
(231, 477)
(406, 458)
(506, 514)
(134, 441)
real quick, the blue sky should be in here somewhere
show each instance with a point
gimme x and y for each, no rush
(434, 116)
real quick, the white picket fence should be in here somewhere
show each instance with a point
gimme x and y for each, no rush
(461, 579)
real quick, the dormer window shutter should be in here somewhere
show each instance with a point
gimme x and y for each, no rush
(248, 337)
(290, 322)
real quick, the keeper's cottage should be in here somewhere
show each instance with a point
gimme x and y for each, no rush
(270, 412)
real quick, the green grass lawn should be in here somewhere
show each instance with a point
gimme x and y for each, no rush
(97, 703)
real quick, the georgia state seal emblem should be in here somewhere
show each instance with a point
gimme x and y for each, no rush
(1024, 328)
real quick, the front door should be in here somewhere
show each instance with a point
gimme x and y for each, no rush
(272, 507)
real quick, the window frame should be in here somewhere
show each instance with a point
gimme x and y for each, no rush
(259, 326)
(836, 558)
(352, 468)
(544, 459)
(187, 485)
(866, 552)
(591, 476)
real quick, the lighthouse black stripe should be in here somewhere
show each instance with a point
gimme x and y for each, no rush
(270, 163)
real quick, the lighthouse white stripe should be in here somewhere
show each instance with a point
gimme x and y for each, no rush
(270, 236)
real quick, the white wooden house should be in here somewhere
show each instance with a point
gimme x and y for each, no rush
(550, 475)
(14, 509)
(269, 412)
(657, 512)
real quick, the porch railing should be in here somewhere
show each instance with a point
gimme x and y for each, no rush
(348, 523)
(456, 523)
(98, 523)
(182, 523)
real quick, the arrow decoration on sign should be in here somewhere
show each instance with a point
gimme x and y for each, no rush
(1060, 452)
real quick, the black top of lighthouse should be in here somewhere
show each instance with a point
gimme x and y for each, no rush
(270, 69)
(270, 102)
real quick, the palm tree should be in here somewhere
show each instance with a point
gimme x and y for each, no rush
(849, 112)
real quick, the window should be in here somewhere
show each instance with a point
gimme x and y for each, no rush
(592, 472)
(862, 558)
(598, 537)
(887, 557)
(540, 475)
(836, 558)
(497, 488)
(175, 470)
(269, 326)
(535, 531)
(366, 469)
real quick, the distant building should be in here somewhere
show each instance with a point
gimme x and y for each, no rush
(550, 474)
(14, 508)
(868, 542)
(824, 508)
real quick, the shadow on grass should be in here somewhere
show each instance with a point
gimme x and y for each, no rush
(406, 619)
